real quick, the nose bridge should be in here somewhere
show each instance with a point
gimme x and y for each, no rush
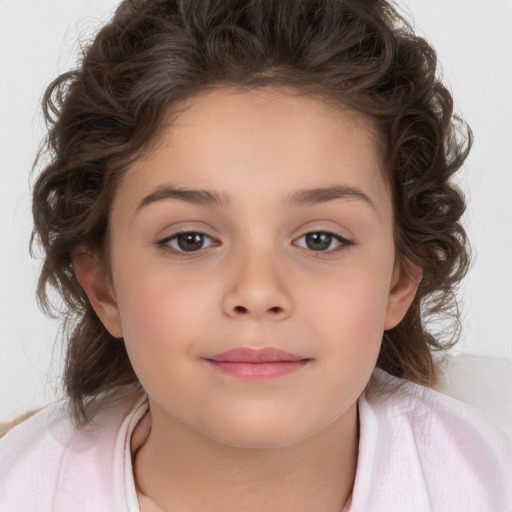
(257, 284)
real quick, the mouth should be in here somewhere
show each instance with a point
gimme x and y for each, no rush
(257, 364)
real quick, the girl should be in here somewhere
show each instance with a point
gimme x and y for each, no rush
(249, 214)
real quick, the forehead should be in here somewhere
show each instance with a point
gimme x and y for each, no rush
(273, 108)
(270, 139)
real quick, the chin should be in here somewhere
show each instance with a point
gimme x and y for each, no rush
(258, 434)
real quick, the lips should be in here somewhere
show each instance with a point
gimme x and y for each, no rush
(256, 364)
(252, 355)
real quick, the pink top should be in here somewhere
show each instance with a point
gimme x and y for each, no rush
(419, 451)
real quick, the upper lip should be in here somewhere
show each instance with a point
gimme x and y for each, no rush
(256, 355)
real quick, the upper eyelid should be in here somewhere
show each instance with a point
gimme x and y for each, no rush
(165, 243)
(331, 232)
(340, 238)
(309, 232)
(205, 233)
(184, 231)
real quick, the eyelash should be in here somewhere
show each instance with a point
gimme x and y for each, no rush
(344, 243)
(164, 244)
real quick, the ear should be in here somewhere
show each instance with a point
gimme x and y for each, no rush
(404, 286)
(92, 277)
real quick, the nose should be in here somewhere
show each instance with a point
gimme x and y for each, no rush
(256, 288)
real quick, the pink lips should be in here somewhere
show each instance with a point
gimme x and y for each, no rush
(257, 364)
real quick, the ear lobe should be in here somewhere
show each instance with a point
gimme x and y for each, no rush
(91, 276)
(405, 282)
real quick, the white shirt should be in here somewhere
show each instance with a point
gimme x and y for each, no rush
(418, 451)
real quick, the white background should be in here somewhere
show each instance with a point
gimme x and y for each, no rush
(38, 40)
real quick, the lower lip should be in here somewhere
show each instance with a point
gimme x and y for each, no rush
(257, 371)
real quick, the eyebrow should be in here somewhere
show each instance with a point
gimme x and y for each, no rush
(194, 196)
(322, 195)
(300, 197)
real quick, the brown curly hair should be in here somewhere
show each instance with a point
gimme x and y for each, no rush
(153, 54)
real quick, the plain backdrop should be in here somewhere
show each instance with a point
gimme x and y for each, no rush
(38, 40)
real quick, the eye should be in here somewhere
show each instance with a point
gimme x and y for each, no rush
(322, 241)
(187, 241)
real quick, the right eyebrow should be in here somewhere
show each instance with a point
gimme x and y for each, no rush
(195, 196)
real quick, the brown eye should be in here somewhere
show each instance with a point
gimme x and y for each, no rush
(322, 241)
(318, 241)
(190, 241)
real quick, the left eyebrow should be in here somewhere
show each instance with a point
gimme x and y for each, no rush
(321, 195)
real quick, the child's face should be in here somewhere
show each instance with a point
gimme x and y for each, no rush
(268, 262)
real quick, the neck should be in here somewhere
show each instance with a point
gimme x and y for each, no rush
(181, 469)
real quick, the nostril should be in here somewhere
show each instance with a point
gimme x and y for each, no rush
(242, 310)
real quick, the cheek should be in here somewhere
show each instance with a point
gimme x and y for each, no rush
(355, 300)
(349, 316)
(160, 343)
(157, 311)
(346, 323)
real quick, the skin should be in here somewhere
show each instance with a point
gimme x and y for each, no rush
(220, 443)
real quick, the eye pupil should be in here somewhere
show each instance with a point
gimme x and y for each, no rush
(318, 241)
(190, 241)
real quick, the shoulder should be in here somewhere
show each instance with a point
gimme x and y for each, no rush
(425, 408)
(46, 463)
(481, 381)
(35, 443)
(429, 451)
